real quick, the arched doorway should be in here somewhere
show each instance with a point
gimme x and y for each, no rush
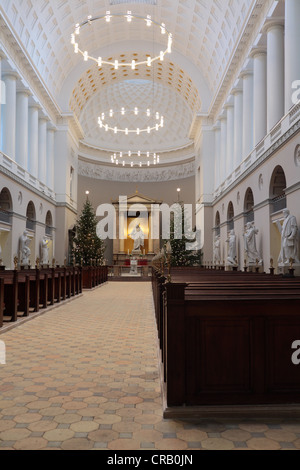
(6, 209)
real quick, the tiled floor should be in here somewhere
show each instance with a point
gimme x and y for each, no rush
(85, 376)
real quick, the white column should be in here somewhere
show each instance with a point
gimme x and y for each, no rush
(150, 243)
(247, 76)
(223, 153)
(50, 157)
(292, 56)
(238, 127)
(42, 149)
(33, 139)
(22, 128)
(2, 96)
(121, 231)
(217, 131)
(230, 138)
(259, 95)
(275, 73)
(9, 115)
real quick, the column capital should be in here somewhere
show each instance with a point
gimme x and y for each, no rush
(258, 50)
(51, 127)
(25, 91)
(273, 23)
(228, 105)
(236, 90)
(2, 55)
(34, 106)
(42, 117)
(10, 74)
(246, 73)
(217, 126)
(223, 116)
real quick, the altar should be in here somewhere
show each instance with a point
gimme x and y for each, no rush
(136, 213)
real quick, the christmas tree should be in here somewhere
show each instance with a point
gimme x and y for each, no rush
(87, 245)
(180, 243)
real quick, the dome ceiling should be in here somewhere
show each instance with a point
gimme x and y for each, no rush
(145, 95)
(205, 34)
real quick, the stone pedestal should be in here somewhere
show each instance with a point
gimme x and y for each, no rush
(133, 266)
(284, 269)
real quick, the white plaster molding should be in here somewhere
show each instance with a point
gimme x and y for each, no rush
(148, 175)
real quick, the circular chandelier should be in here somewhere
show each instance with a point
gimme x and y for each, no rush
(126, 131)
(118, 158)
(128, 17)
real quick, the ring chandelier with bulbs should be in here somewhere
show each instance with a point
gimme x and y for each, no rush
(118, 159)
(133, 64)
(126, 131)
(148, 21)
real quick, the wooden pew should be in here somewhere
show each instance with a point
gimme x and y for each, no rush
(230, 348)
(226, 338)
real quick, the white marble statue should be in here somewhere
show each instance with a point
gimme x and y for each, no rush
(250, 244)
(44, 251)
(231, 258)
(217, 250)
(138, 237)
(24, 248)
(289, 239)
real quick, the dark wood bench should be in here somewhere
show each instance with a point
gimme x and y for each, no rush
(226, 337)
(28, 290)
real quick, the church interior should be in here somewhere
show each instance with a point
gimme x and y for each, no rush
(114, 114)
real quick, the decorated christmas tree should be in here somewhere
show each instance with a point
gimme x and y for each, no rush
(182, 241)
(87, 245)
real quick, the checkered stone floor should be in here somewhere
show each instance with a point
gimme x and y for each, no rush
(85, 376)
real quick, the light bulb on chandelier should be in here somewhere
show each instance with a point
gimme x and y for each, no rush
(129, 17)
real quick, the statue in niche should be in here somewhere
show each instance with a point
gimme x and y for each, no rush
(250, 244)
(45, 250)
(25, 251)
(289, 239)
(217, 250)
(231, 258)
(138, 237)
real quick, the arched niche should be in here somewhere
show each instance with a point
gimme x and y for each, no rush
(6, 206)
(30, 216)
(277, 190)
(49, 224)
(249, 206)
(6, 209)
(217, 223)
(230, 216)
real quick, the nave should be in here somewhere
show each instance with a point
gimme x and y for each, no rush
(86, 376)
